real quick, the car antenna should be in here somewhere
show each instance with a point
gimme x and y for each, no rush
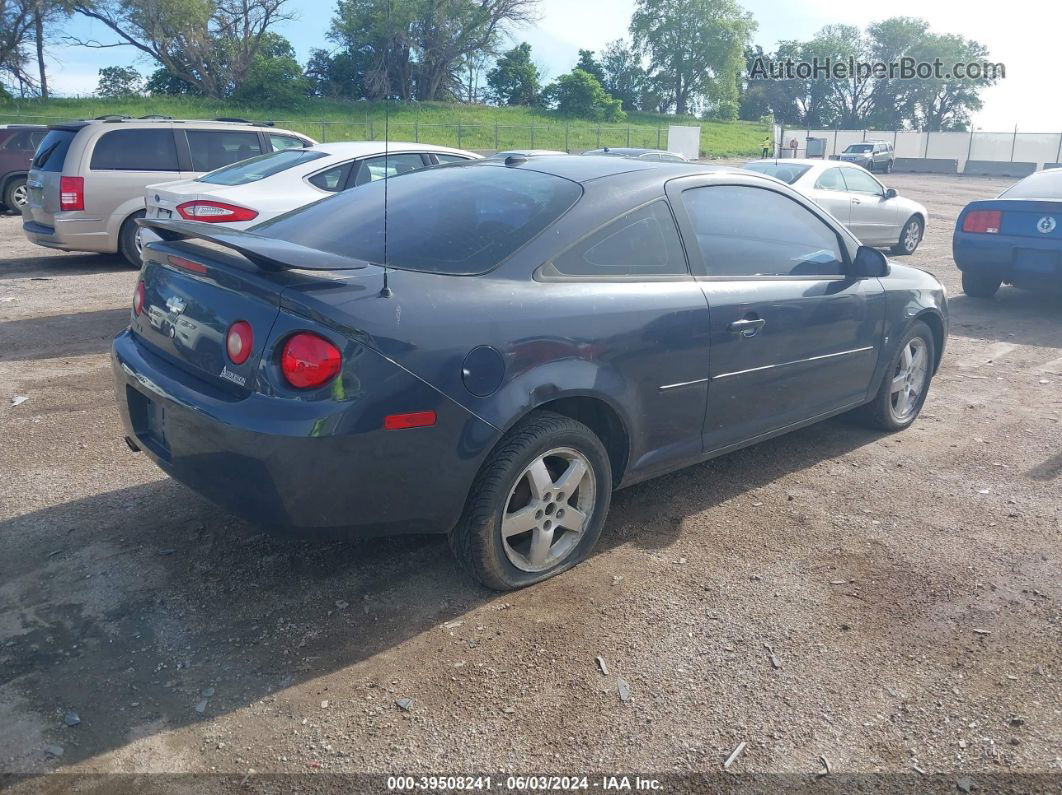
(386, 291)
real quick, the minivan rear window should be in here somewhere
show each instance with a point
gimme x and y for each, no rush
(260, 167)
(51, 154)
(135, 150)
(454, 219)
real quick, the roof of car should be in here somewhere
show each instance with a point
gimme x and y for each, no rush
(147, 122)
(358, 148)
(590, 167)
(806, 161)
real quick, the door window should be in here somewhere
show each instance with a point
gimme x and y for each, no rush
(859, 181)
(213, 149)
(281, 142)
(831, 179)
(135, 150)
(373, 168)
(745, 231)
(643, 241)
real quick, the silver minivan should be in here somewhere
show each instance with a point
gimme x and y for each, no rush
(86, 183)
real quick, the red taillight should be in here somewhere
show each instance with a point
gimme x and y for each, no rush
(215, 212)
(71, 193)
(309, 360)
(415, 419)
(138, 298)
(238, 341)
(982, 221)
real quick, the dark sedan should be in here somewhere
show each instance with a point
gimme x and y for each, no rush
(1015, 238)
(545, 331)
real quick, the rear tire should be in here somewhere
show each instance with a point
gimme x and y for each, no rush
(978, 285)
(910, 237)
(904, 388)
(14, 197)
(548, 474)
(128, 240)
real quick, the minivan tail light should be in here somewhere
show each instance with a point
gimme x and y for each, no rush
(238, 341)
(215, 212)
(71, 193)
(982, 221)
(309, 360)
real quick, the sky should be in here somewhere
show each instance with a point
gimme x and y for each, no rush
(1023, 37)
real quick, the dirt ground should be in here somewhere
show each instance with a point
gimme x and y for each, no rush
(907, 587)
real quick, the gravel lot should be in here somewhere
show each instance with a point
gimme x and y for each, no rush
(907, 586)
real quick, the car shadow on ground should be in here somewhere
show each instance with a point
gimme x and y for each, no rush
(1021, 317)
(146, 608)
(53, 336)
(57, 265)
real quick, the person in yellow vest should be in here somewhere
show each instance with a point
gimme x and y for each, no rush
(768, 145)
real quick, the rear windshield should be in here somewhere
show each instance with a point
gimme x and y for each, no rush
(787, 173)
(51, 154)
(260, 167)
(860, 148)
(1043, 185)
(453, 219)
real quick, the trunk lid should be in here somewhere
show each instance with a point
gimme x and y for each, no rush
(46, 171)
(1030, 218)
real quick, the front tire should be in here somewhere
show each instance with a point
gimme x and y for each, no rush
(129, 240)
(910, 237)
(537, 505)
(978, 285)
(906, 383)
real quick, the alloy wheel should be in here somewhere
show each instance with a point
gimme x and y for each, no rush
(912, 235)
(548, 509)
(20, 196)
(909, 381)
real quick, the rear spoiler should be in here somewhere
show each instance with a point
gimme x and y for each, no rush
(268, 253)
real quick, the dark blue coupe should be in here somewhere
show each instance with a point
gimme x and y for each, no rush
(1015, 238)
(545, 330)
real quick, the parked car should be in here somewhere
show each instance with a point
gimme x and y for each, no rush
(517, 341)
(871, 155)
(17, 144)
(877, 215)
(1015, 238)
(255, 190)
(652, 155)
(85, 187)
(525, 153)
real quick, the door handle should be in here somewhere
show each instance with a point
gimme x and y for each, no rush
(749, 327)
(856, 201)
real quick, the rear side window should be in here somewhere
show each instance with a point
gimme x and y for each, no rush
(51, 154)
(745, 231)
(641, 242)
(282, 142)
(260, 167)
(460, 220)
(373, 168)
(444, 157)
(135, 150)
(331, 179)
(212, 149)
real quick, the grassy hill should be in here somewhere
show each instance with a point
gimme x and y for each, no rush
(465, 126)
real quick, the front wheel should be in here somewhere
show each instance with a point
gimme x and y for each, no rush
(538, 504)
(980, 286)
(129, 239)
(910, 237)
(905, 386)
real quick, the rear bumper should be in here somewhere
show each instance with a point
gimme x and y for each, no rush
(1025, 260)
(72, 235)
(305, 465)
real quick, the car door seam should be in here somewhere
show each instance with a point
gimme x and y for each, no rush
(795, 361)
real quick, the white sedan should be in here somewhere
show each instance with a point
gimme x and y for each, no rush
(263, 187)
(877, 215)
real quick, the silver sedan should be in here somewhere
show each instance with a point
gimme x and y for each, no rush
(877, 215)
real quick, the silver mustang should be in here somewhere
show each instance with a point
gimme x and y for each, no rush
(877, 215)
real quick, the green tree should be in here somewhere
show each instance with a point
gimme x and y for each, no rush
(694, 45)
(275, 76)
(209, 44)
(624, 76)
(588, 63)
(514, 80)
(579, 94)
(118, 82)
(945, 103)
(338, 76)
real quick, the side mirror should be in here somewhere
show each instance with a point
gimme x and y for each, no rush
(891, 193)
(868, 263)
